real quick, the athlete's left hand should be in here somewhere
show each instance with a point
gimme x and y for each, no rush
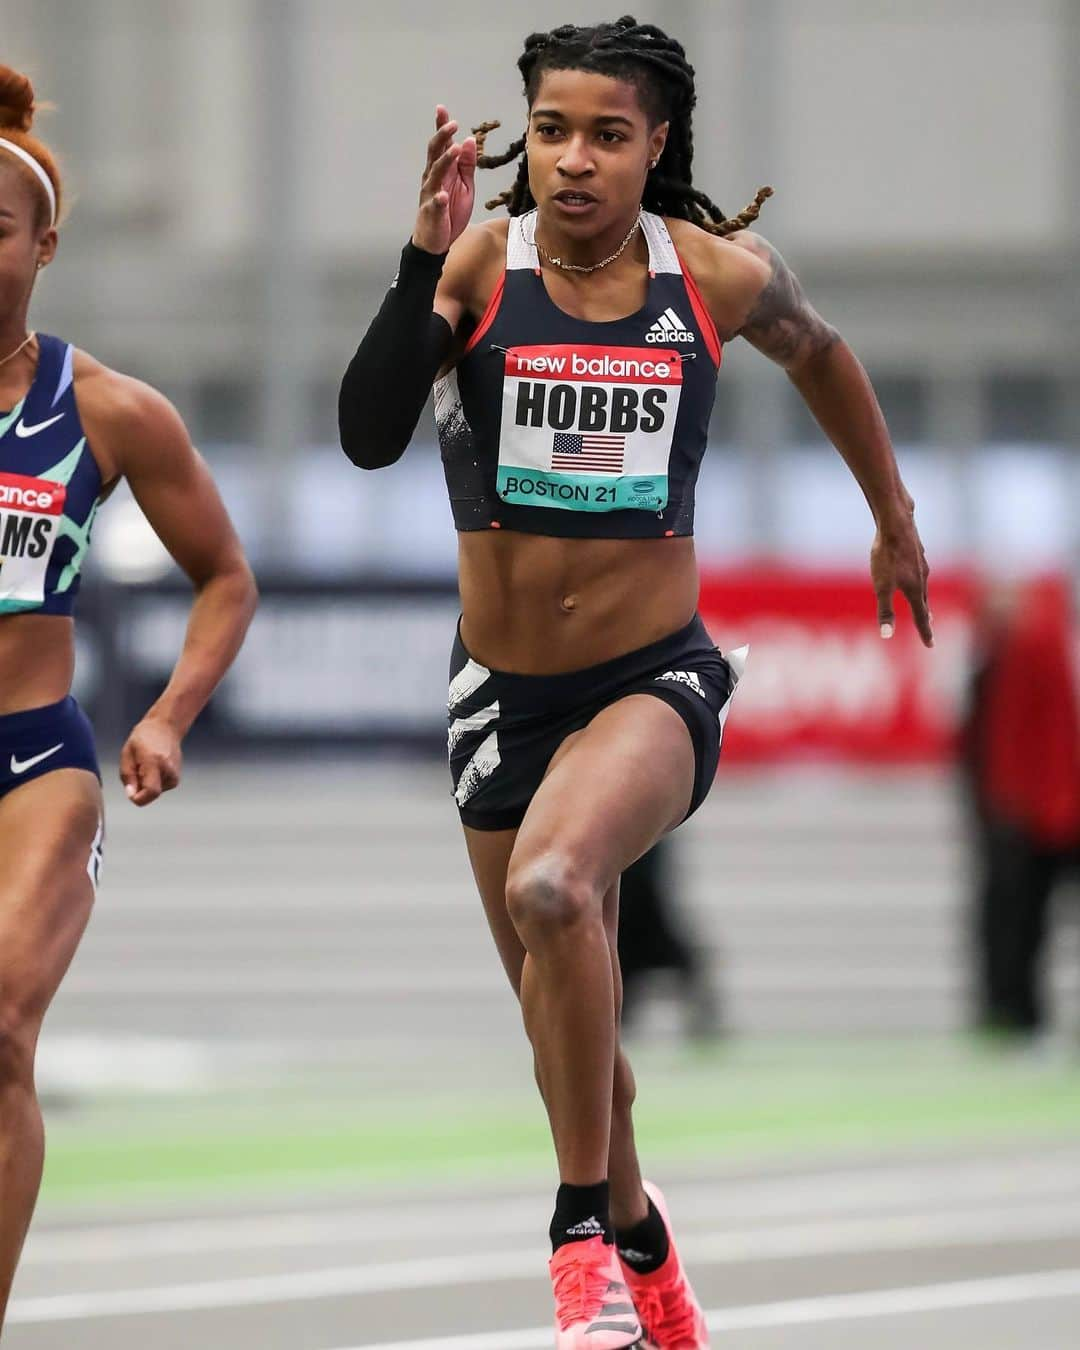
(150, 761)
(898, 563)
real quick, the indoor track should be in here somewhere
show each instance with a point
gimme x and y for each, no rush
(275, 947)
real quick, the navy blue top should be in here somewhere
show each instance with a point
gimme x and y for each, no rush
(50, 488)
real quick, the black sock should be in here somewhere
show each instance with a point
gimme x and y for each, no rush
(644, 1247)
(581, 1212)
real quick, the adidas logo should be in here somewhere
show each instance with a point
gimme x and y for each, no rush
(632, 1255)
(591, 1227)
(686, 677)
(669, 328)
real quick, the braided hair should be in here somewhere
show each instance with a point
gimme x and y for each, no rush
(657, 66)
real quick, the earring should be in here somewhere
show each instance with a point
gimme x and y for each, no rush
(653, 163)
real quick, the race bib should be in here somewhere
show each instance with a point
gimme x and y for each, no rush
(30, 513)
(588, 428)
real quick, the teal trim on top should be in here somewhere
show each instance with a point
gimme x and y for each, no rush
(582, 492)
(62, 472)
(6, 419)
(81, 535)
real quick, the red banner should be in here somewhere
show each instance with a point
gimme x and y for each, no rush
(820, 681)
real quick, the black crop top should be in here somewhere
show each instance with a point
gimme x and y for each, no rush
(559, 426)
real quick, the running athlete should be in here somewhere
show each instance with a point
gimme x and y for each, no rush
(70, 429)
(577, 346)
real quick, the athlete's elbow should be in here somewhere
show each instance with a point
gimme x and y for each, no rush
(365, 443)
(369, 452)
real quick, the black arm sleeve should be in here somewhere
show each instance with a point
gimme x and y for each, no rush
(387, 382)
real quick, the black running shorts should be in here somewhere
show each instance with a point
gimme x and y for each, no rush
(504, 729)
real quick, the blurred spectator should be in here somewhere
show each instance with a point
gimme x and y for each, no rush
(654, 936)
(1022, 753)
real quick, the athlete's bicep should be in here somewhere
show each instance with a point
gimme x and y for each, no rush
(449, 307)
(779, 320)
(469, 276)
(172, 484)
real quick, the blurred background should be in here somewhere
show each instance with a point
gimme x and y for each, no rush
(284, 1058)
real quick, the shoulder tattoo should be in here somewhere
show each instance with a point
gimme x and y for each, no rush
(782, 323)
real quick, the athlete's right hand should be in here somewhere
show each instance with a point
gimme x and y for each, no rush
(447, 189)
(150, 760)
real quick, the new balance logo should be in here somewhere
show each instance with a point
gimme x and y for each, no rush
(669, 328)
(591, 1227)
(686, 677)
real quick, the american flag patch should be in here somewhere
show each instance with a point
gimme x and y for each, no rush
(592, 451)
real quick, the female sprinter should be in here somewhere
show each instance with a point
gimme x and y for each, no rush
(578, 344)
(69, 430)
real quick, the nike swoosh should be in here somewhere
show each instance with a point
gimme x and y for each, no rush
(21, 429)
(21, 766)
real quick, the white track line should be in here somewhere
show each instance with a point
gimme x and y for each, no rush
(825, 1194)
(256, 1290)
(135, 1241)
(440, 894)
(521, 1219)
(1051, 1284)
(483, 980)
(903, 1232)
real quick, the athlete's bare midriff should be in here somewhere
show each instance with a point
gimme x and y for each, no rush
(537, 605)
(37, 660)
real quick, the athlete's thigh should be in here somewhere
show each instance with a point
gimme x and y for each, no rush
(613, 789)
(489, 853)
(49, 836)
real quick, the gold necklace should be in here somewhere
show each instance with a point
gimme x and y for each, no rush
(576, 267)
(24, 343)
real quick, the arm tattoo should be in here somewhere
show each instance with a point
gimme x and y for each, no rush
(783, 324)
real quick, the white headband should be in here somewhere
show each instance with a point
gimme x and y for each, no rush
(46, 181)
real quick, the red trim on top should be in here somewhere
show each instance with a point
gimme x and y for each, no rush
(488, 317)
(701, 313)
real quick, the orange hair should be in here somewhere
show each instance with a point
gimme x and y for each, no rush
(17, 109)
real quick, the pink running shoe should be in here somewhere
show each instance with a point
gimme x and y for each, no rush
(671, 1315)
(593, 1309)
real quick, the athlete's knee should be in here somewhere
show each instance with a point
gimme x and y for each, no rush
(19, 1026)
(547, 894)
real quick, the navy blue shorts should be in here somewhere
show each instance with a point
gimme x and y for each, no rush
(504, 728)
(39, 740)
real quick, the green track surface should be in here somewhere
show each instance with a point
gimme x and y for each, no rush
(752, 1099)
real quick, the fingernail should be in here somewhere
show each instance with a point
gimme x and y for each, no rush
(129, 790)
(886, 630)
